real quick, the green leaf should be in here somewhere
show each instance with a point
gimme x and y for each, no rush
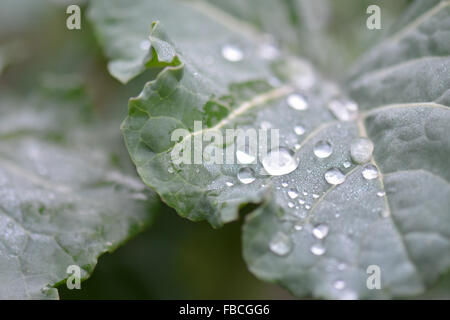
(320, 237)
(62, 201)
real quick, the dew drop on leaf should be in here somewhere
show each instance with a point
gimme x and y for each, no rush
(246, 175)
(317, 249)
(322, 149)
(232, 53)
(370, 172)
(343, 109)
(269, 51)
(280, 244)
(298, 226)
(229, 184)
(334, 176)
(280, 161)
(381, 194)
(320, 231)
(244, 157)
(297, 102)
(361, 150)
(292, 193)
(299, 130)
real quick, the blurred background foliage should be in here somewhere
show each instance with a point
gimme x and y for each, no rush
(174, 258)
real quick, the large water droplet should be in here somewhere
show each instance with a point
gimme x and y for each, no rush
(370, 172)
(280, 244)
(361, 150)
(320, 231)
(322, 149)
(343, 109)
(246, 175)
(334, 176)
(232, 53)
(280, 161)
(317, 249)
(292, 193)
(299, 130)
(297, 102)
(244, 157)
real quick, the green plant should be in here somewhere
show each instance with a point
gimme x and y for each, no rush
(314, 228)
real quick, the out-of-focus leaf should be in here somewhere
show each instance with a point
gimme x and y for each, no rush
(62, 200)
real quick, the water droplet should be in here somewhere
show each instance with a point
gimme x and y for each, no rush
(244, 157)
(322, 149)
(246, 175)
(232, 53)
(343, 109)
(269, 51)
(280, 244)
(229, 184)
(280, 161)
(317, 249)
(334, 176)
(370, 172)
(315, 196)
(305, 193)
(291, 204)
(109, 243)
(301, 201)
(284, 184)
(144, 45)
(381, 194)
(298, 226)
(297, 147)
(170, 170)
(307, 207)
(320, 231)
(361, 150)
(292, 193)
(347, 164)
(299, 130)
(339, 284)
(297, 102)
